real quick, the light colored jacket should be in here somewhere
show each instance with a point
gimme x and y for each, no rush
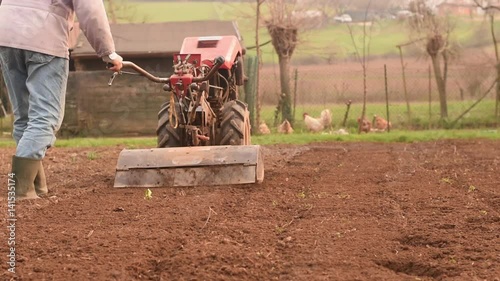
(44, 25)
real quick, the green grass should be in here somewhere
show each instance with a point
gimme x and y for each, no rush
(296, 138)
(481, 116)
(95, 142)
(395, 136)
(171, 11)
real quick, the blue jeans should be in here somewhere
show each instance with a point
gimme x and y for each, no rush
(37, 90)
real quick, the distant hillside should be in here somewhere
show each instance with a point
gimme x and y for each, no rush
(330, 43)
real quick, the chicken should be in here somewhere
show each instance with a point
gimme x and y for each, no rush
(285, 128)
(341, 131)
(318, 124)
(326, 117)
(313, 124)
(264, 129)
(365, 125)
(380, 123)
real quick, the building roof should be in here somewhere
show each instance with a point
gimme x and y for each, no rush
(156, 38)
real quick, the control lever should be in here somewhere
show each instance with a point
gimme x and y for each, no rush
(112, 78)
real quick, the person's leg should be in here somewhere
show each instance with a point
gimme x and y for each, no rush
(15, 75)
(37, 87)
(46, 82)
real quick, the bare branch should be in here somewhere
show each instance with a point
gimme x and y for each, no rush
(486, 7)
(356, 49)
(411, 42)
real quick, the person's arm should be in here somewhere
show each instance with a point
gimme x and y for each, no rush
(95, 25)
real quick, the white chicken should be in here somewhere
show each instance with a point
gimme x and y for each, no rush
(318, 124)
(264, 129)
(285, 128)
(326, 117)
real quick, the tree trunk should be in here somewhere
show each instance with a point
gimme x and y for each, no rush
(286, 94)
(405, 89)
(257, 78)
(441, 85)
(497, 102)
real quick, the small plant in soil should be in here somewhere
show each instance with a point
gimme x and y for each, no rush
(92, 155)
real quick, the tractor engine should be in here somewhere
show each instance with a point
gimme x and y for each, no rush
(207, 73)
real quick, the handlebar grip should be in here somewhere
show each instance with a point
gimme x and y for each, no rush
(219, 60)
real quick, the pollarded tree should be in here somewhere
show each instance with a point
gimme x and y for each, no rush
(436, 31)
(284, 30)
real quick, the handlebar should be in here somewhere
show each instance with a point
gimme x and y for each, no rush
(218, 61)
(141, 71)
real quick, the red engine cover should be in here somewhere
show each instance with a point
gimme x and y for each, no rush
(213, 46)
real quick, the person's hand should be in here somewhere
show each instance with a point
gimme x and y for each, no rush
(117, 65)
(115, 62)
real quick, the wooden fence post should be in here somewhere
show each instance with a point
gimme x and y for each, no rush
(296, 79)
(405, 89)
(430, 97)
(387, 98)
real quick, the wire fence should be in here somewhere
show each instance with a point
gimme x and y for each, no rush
(408, 97)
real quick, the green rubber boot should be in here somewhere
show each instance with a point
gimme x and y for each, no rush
(41, 182)
(25, 171)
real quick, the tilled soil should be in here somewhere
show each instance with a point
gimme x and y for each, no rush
(326, 211)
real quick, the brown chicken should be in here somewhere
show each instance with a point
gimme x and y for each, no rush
(264, 129)
(285, 128)
(380, 123)
(365, 125)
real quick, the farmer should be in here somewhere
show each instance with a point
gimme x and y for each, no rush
(34, 59)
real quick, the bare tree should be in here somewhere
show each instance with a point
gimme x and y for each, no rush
(490, 11)
(437, 31)
(259, 61)
(284, 31)
(361, 55)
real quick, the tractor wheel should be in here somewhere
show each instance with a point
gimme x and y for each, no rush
(235, 124)
(168, 136)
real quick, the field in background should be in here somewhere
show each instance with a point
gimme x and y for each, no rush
(331, 42)
(328, 74)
